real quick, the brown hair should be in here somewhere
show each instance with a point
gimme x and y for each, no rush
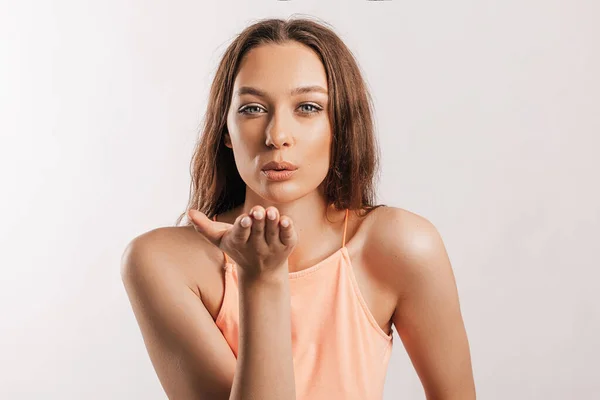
(216, 185)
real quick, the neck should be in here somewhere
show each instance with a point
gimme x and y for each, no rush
(319, 227)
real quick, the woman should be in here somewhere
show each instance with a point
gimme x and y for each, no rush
(285, 284)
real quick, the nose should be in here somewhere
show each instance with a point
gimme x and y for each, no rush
(278, 132)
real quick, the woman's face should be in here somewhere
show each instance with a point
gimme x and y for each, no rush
(270, 123)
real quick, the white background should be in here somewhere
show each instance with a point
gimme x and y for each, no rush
(488, 116)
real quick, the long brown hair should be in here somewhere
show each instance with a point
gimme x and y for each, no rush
(216, 185)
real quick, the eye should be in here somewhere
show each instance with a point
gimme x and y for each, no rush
(316, 109)
(244, 110)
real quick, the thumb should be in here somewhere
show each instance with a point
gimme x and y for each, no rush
(209, 229)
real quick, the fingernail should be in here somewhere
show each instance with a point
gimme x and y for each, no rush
(271, 214)
(246, 222)
(258, 214)
(285, 223)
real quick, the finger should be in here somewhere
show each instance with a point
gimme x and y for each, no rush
(287, 234)
(272, 226)
(258, 224)
(241, 228)
(205, 226)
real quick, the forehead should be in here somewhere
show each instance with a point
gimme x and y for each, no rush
(277, 69)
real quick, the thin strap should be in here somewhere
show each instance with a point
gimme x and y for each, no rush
(345, 225)
(225, 254)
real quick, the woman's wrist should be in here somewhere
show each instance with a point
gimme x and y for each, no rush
(273, 277)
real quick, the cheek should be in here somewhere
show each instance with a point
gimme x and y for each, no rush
(319, 154)
(325, 143)
(326, 152)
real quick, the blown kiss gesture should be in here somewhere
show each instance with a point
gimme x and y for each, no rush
(259, 242)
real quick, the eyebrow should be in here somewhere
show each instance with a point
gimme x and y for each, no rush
(299, 90)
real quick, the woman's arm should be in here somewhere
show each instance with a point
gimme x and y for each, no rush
(428, 318)
(188, 351)
(265, 367)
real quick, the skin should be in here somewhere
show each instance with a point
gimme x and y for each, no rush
(260, 245)
(280, 127)
(398, 257)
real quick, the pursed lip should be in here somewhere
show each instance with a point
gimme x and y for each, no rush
(284, 165)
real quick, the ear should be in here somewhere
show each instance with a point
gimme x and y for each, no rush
(227, 140)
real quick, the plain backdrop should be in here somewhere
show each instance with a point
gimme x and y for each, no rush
(487, 114)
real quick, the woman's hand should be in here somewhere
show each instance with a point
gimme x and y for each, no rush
(259, 245)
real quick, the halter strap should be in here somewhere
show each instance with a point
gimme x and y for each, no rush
(345, 225)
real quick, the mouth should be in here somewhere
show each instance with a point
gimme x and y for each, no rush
(279, 166)
(278, 175)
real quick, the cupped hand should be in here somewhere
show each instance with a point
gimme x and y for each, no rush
(259, 245)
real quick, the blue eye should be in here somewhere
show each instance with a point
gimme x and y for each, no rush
(313, 106)
(315, 109)
(245, 109)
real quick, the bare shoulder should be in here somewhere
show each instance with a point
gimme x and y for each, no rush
(172, 251)
(427, 317)
(394, 226)
(160, 270)
(402, 242)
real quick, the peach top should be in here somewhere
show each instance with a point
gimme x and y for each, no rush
(339, 351)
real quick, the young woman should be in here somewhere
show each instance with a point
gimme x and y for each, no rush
(285, 284)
